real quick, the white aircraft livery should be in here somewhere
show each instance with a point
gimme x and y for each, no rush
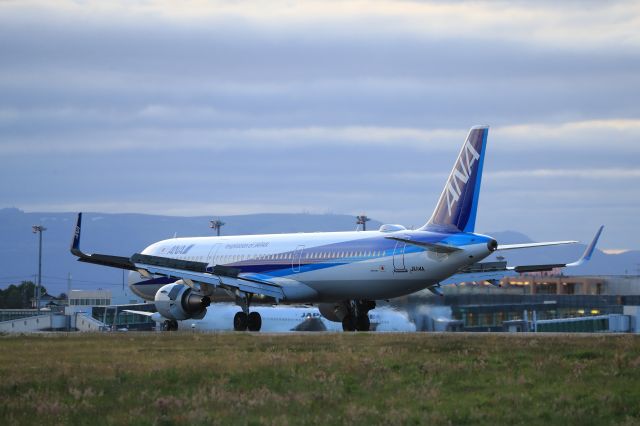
(280, 319)
(344, 273)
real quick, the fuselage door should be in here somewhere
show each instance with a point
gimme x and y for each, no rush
(398, 257)
(212, 254)
(295, 262)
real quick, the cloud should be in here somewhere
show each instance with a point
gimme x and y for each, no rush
(345, 106)
(616, 174)
(567, 25)
(167, 128)
(576, 134)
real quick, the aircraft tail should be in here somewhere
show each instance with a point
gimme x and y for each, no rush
(458, 203)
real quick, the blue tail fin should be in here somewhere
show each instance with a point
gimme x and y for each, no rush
(458, 203)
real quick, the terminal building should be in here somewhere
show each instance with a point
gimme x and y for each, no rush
(86, 310)
(552, 301)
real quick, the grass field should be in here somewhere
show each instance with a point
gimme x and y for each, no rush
(363, 378)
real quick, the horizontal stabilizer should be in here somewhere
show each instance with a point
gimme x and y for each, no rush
(531, 245)
(438, 248)
(486, 271)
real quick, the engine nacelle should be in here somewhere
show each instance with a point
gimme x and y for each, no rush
(178, 301)
(333, 311)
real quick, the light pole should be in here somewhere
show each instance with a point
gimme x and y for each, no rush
(362, 220)
(216, 224)
(39, 229)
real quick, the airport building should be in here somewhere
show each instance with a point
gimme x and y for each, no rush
(555, 303)
(86, 310)
(89, 298)
(108, 307)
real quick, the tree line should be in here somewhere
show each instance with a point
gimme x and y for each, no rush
(19, 296)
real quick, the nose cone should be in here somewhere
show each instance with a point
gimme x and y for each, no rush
(492, 245)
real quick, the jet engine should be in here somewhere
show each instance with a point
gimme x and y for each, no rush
(178, 301)
(332, 311)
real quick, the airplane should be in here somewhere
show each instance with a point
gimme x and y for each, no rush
(278, 319)
(343, 273)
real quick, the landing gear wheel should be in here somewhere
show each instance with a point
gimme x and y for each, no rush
(363, 323)
(171, 325)
(254, 321)
(348, 323)
(240, 321)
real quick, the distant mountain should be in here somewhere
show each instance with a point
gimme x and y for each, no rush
(125, 234)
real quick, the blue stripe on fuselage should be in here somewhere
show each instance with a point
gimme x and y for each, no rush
(283, 267)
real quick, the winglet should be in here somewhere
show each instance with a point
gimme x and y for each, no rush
(586, 256)
(98, 259)
(75, 242)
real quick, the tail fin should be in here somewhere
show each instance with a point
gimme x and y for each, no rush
(458, 203)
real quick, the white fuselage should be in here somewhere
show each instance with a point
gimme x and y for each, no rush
(329, 266)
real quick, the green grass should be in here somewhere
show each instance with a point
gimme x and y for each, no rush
(184, 378)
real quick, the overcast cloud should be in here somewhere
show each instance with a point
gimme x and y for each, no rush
(220, 107)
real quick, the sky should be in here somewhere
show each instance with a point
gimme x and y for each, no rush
(234, 107)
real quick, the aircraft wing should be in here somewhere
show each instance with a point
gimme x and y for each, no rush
(194, 274)
(196, 278)
(494, 271)
(144, 313)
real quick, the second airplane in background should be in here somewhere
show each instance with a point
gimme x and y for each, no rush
(279, 319)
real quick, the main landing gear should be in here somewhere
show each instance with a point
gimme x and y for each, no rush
(251, 322)
(246, 320)
(357, 316)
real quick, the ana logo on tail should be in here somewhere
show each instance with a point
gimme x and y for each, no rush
(460, 173)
